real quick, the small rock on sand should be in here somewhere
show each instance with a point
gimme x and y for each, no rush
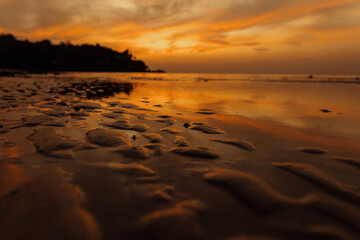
(164, 116)
(195, 152)
(153, 137)
(105, 137)
(325, 110)
(249, 146)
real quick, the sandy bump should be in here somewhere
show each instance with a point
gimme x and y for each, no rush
(108, 138)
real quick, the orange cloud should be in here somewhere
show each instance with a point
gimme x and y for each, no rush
(155, 29)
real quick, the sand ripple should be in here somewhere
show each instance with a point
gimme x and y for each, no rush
(104, 137)
(249, 146)
(178, 223)
(153, 137)
(195, 152)
(49, 142)
(208, 129)
(323, 180)
(133, 151)
(264, 199)
(140, 127)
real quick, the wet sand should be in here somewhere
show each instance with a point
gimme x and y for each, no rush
(89, 159)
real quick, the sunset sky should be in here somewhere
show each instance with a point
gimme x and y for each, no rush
(245, 36)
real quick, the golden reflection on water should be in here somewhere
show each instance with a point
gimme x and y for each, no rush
(257, 100)
(284, 109)
(297, 134)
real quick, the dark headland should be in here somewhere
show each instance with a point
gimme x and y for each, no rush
(44, 56)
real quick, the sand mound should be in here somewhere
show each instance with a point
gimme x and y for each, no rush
(158, 148)
(178, 223)
(312, 150)
(140, 127)
(118, 116)
(34, 120)
(57, 113)
(49, 142)
(264, 199)
(167, 121)
(352, 161)
(208, 129)
(133, 151)
(87, 105)
(248, 188)
(171, 130)
(128, 105)
(104, 137)
(132, 169)
(249, 146)
(153, 137)
(181, 141)
(195, 152)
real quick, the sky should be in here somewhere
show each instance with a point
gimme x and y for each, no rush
(227, 36)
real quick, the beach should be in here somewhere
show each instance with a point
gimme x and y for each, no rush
(179, 156)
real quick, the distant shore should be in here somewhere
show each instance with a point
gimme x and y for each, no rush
(44, 56)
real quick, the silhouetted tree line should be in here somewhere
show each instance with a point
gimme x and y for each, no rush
(45, 56)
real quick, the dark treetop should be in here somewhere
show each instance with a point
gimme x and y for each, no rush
(45, 56)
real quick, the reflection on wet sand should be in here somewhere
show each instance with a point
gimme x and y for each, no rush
(11, 177)
(46, 207)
